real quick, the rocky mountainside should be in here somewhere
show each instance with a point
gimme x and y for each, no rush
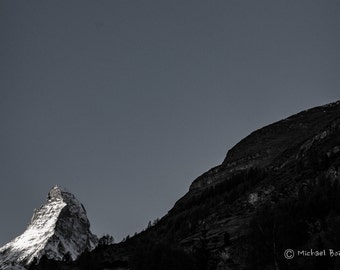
(58, 230)
(276, 144)
(277, 189)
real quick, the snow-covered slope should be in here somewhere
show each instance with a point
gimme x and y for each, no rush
(59, 229)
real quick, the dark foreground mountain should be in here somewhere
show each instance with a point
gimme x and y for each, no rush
(58, 230)
(277, 189)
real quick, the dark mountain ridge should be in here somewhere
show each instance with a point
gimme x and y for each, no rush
(277, 189)
(265, 147)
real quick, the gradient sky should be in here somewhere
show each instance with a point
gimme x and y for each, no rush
(125, 103)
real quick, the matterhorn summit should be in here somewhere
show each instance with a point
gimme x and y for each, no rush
(59, 229)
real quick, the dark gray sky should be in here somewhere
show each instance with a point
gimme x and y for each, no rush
(125, 103)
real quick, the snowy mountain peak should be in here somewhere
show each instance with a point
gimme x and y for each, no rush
(59, 229)
(55, 193)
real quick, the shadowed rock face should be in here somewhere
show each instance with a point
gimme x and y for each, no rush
(271, 165)
(59, 229)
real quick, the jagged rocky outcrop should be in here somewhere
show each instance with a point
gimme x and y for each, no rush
(58, 230)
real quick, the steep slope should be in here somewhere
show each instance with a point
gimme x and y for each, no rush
(59, 229)
(278, 188)
(270, 146)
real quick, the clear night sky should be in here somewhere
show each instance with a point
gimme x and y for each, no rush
(125, 103)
